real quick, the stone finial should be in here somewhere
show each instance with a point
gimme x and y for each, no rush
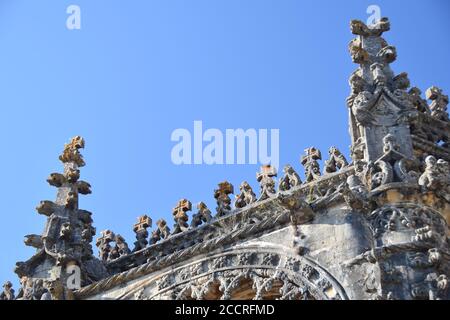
(140, 228)
(379, 102)
(180, 216)
(336, 161)
(358, 27)
(223, 199)
(401, 81)
(436, 177)
(72, 174)
(246, 197)
(390, 143)
(266, 180)
(8, 291)
(357, 83)
(162, 231)
(309, 161)
(103, 244)
(373, 53)
(439, 102)
(290, 179)
(358, 54)
(418, 102)
(369, 47)
(83, 187)
(68, 233)
(71, 152)
(46, 208)
(378, 74)
(387, 54)
(120, 249)
(143, 223)
(430, 178)
(203, 215)
(56, 179)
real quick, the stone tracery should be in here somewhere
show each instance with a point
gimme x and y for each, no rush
(263, 279)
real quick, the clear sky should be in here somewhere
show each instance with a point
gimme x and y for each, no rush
(137, 70)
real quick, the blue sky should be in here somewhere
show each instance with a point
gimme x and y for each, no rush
(137, 70)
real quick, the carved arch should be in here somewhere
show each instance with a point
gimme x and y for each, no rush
(247, 273)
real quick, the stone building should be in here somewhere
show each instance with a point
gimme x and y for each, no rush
(375, 227)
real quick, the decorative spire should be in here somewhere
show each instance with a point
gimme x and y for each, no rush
(203, 215)
(67, 237)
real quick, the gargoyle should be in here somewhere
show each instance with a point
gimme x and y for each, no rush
(83, 187)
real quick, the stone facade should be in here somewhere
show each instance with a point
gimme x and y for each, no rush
(372, 228)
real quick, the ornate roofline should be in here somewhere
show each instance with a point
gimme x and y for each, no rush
(271, 214)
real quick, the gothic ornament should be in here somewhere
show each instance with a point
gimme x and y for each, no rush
(266, 181)
(246, 197)
(290, 179)
(203, 215)
(8, 292)
(223, 199)
(309, 161)
(180, 216)
(439, 103)
(336, 161)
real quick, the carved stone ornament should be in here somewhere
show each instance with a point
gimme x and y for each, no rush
(239, 276)
(203, 215)
(309, 161)
(336, 161)
(373, 227)
(180, 216)
(223, 199)
(392, 166)
(290, 179)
